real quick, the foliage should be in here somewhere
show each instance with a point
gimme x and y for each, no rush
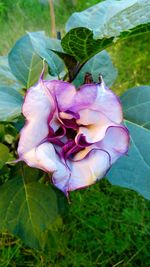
(10, 103)
(99, 64)
(136, 105)
(123, 15)
(6, 77)
(25, 58)
(126, 19)
(105, 225)
(19, 207)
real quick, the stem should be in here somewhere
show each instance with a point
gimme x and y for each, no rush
(52, 17)
(76, 70)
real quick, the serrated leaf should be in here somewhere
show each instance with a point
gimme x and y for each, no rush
(10, 104)
(43, 47)
(28, 211)
(24, 62)
(99, 64)
(4, 155)
(6, 77)
(110, 18)
(133, 171)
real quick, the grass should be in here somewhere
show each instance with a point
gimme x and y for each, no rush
(106, 225)
(131, 58)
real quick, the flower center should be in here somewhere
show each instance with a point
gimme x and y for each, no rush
(63, 138)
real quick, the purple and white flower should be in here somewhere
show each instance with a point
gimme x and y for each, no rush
(76, 135)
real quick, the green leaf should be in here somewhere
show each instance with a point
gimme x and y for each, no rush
(136, 105)
(29, 210)
(10, 104)
(98, 27)
(133, 171)
(80, 43)
(110, 18)
(99, 64)
(26, 57)
(24, 62)
(43, 47)
(29, 174)
(4, 155)
(6, 77)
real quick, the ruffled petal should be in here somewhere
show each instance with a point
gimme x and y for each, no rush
(92, 163)
(108, 104)
(115, 142)
(96, 131)
(38, 109)
(99, 98)
(88, 170)
(63, 92)
(85, 97)
(55, 111)
(88, 117)
(45, 158)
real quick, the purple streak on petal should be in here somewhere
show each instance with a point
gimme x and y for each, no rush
(70, 124)
(63, 91)
(98, 97)
(95, 131)
(70, 151)
(54, 140)
(60, 132)
(81, 141)
(69, 145)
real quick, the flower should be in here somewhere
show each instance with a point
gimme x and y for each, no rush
(74, 134)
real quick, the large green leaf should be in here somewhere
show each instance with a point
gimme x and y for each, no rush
(29, 210)
(26, 57)
(6, 76)
(98, 27)
(80, 43)
(133, 170)
(29, 174)
(24, 62)
(136, 105)
(109, 18)
(99, 64)
(10, 103)
(43, 47)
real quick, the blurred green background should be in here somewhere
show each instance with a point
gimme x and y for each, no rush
(106, 225)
